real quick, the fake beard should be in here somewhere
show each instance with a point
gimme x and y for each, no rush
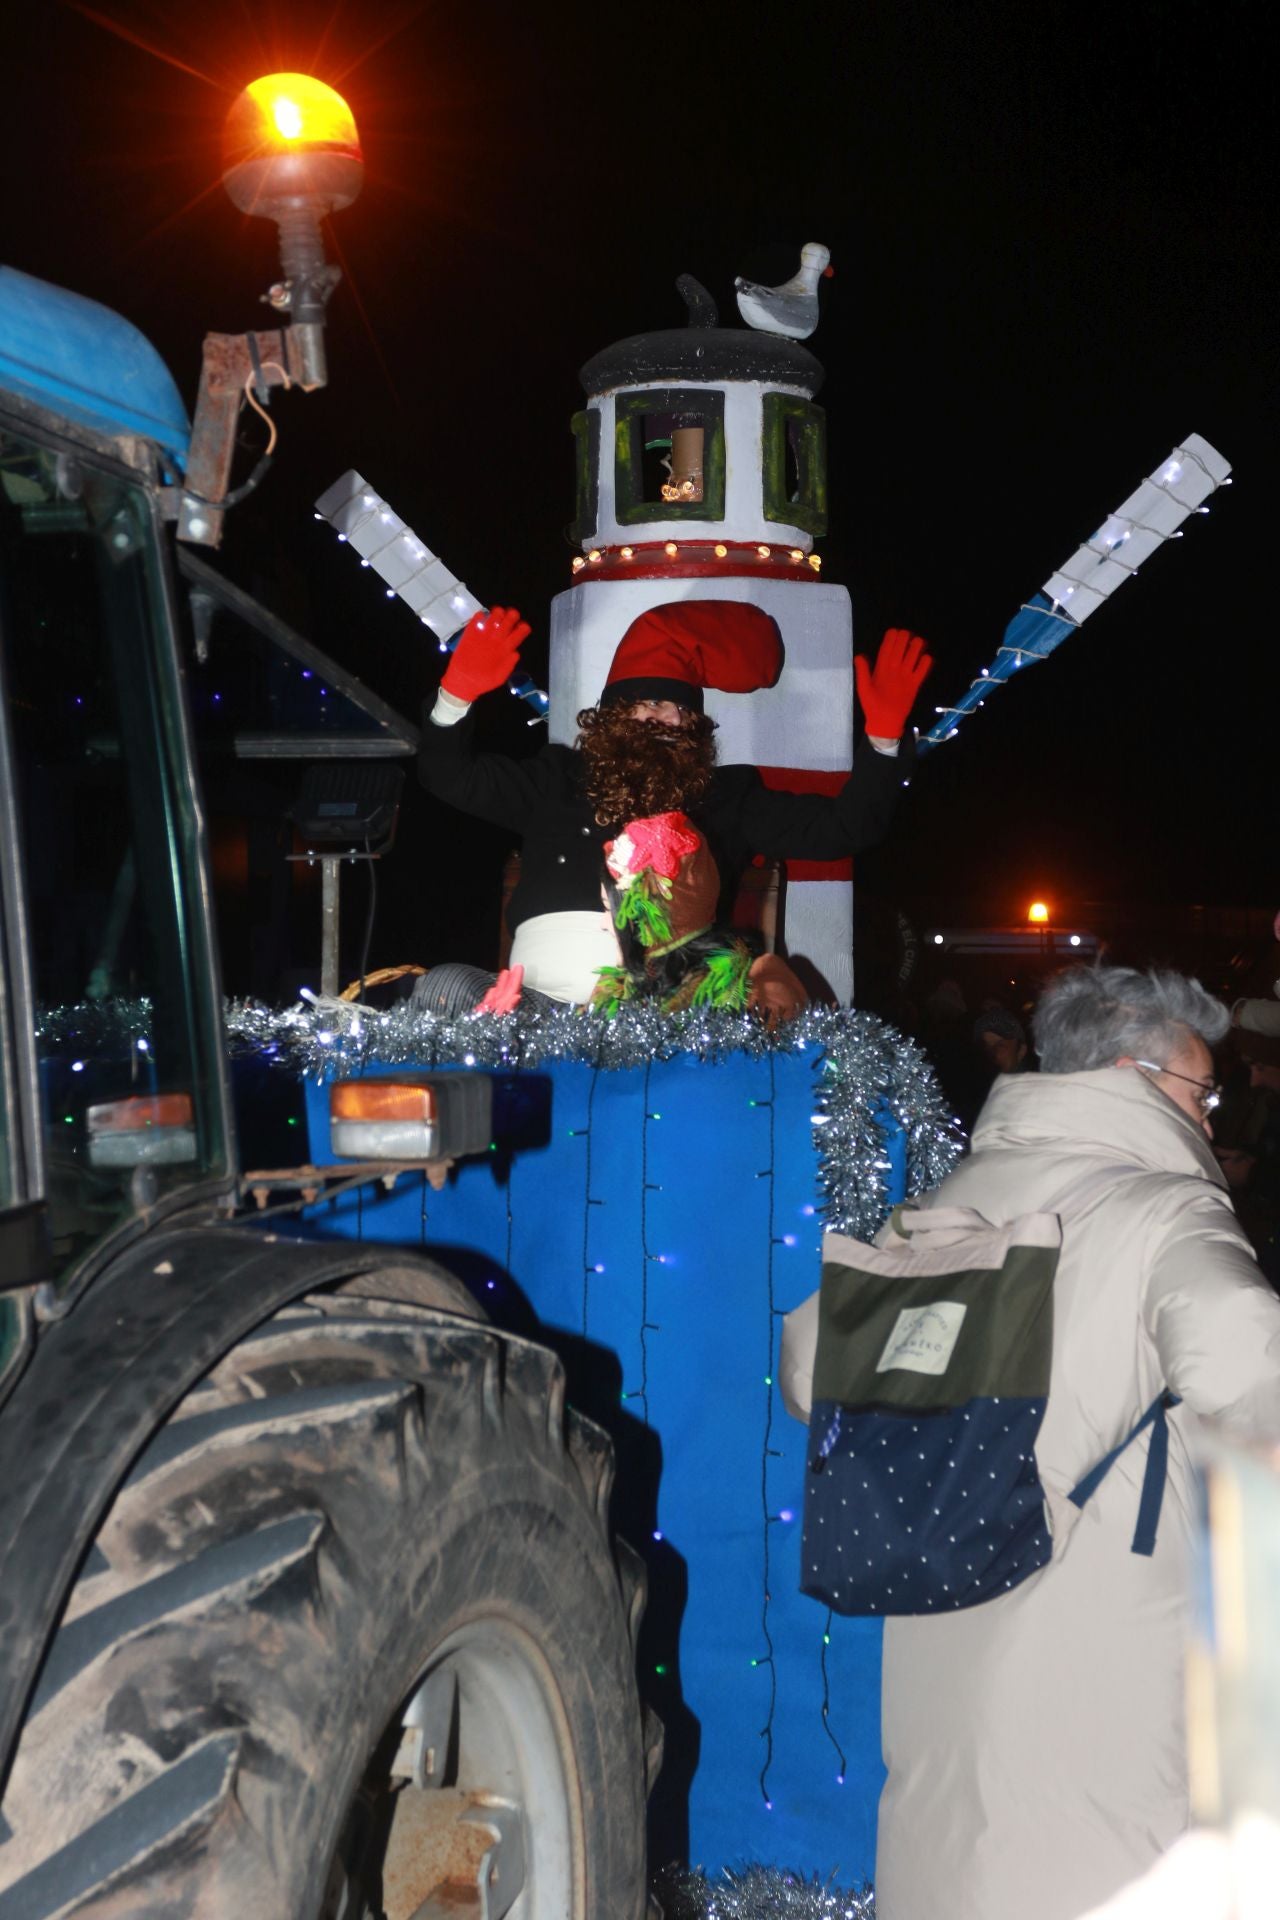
(633, 769)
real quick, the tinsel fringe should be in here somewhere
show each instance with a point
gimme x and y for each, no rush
(758, 1893)
(868, 1069)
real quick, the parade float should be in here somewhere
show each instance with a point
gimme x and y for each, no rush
(212, 1418)
(658, 1185)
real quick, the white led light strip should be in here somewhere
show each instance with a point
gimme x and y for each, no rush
(360, 516)
(1150, 516)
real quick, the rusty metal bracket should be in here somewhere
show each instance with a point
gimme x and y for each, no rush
(312, 1183)
(467, 1849)
(500, 1876)
(228, 366)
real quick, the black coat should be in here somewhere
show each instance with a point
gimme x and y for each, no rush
(541, 799)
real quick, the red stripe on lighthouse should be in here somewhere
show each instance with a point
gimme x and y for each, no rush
(809, 780)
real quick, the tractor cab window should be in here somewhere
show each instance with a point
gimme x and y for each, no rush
(795, 463)
(670, 455)
(104, 830)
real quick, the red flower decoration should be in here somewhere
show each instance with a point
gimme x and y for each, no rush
(660, 843)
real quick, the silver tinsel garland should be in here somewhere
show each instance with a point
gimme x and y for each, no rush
(869, 1072)
(758, 1893)
(94, 1026)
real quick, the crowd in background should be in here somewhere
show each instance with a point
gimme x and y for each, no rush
(973, 1038)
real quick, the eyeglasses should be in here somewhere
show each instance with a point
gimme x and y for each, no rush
(1210, 1095)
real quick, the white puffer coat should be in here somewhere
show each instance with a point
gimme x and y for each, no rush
(1035, 1744)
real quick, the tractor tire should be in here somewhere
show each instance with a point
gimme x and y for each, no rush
(351, 1644)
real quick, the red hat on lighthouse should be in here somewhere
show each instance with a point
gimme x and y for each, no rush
(672, 652)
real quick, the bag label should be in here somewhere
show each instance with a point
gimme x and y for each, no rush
(923, 1338)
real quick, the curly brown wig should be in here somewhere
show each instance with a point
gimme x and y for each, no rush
(634, 768)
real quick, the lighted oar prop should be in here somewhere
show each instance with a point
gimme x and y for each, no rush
(1179, 487)
(363, 520)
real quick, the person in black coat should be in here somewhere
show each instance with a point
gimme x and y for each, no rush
(647, 752)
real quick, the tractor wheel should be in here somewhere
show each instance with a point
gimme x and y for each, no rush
(350, 1644)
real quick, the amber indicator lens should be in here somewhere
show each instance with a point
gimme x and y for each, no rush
(381, 1100)
(140, 1112)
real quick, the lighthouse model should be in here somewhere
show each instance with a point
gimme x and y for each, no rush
(701, 474)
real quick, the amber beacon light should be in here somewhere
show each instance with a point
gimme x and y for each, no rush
(291, 153)
(290, 138)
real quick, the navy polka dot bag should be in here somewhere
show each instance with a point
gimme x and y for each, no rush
(929, 1360)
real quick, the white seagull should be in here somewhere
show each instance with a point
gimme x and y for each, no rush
(792, 308)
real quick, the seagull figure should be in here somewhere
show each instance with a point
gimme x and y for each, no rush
(792, 308)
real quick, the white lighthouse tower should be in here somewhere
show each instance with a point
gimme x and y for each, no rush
(701, 474)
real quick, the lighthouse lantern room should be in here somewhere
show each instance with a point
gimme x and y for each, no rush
(701, 474)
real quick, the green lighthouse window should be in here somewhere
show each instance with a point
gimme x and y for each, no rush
(669, 455)
(586, 460)
(794, 460)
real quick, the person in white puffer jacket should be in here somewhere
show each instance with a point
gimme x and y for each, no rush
(1035, 1744)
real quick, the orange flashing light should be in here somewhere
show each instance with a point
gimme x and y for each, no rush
(288, 113)
(1038, 914)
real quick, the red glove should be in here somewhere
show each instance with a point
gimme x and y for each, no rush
(888, 690)
(486, 654)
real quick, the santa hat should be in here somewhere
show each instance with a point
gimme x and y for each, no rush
(673, 652)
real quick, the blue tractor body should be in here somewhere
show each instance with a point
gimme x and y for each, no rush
(87, 364)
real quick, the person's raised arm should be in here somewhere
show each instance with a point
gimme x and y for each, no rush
(814, 826)
(485, 656)
(492, 786)
(887, 691)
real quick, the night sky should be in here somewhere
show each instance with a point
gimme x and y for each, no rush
(1052, 228)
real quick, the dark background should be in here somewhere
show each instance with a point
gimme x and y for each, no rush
(1052, 233)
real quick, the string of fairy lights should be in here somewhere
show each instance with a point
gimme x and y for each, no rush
(590, 1267)
(647, 1254)
(767, 1451)
(842, 1774)
(636, 1395)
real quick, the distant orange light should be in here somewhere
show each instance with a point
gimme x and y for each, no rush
(1038, 913)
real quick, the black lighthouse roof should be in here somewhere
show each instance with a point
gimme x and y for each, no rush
(701, 351)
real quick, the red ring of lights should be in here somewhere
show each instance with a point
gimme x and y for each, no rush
(694, 559)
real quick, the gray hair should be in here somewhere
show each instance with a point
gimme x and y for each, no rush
(1093, 1016)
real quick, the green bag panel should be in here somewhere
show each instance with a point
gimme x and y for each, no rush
(988, 1332)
